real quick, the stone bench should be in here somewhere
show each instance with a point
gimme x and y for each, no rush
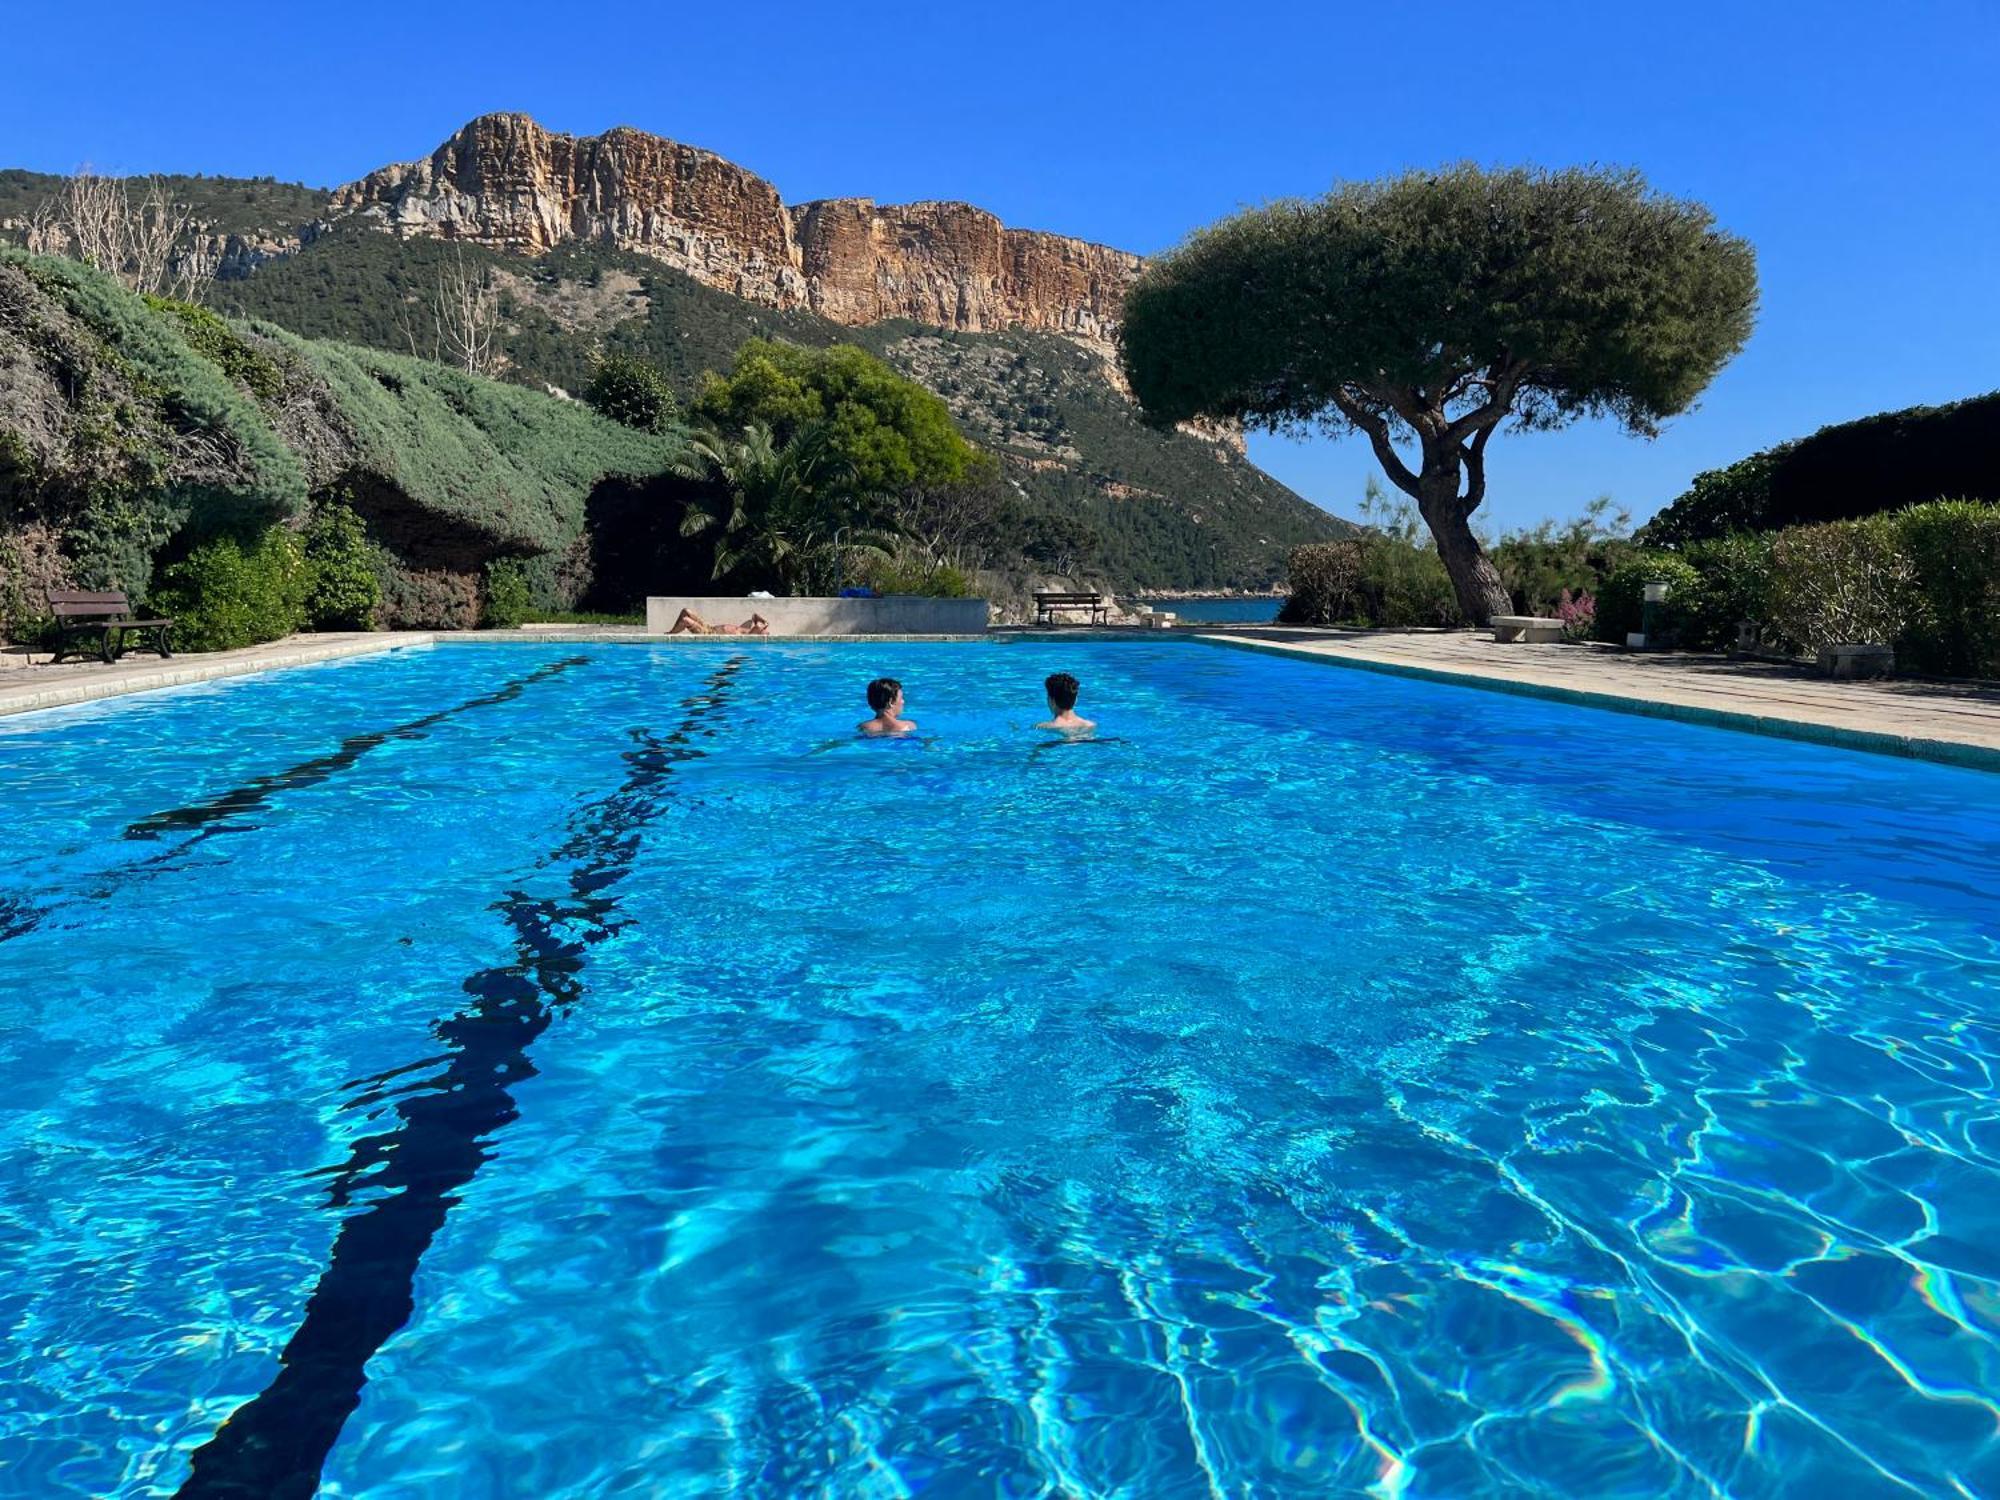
(1533, 629)
(1857, 661)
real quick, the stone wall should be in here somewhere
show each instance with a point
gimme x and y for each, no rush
(897, 615)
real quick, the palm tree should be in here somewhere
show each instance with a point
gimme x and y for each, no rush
(789, 509)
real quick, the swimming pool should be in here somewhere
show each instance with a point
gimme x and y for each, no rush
(599, 1074)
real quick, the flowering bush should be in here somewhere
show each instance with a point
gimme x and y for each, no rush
(1578, 612)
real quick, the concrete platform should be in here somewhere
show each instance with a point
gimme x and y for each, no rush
(897, 614)
(28, 685)
(1956, 722)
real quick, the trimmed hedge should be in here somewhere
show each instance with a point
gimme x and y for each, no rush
(1853, 469)
(1954, 548)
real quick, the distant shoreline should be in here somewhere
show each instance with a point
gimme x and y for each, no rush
(1182, 596)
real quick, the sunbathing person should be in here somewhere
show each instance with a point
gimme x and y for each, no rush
(1062, 690)
(687, 622)
(885, 696)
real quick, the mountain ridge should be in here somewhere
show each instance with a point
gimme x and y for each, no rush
(675, 254)
(504, 181)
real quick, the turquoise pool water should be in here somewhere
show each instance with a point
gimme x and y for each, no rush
(597, 1074)
(1258, 610)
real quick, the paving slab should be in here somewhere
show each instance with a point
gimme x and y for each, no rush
(49, 685)
(1957, 722)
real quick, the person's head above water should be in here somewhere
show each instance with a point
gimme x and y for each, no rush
(883, 692)
(1062, 689)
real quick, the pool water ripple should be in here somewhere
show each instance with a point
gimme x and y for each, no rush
(1322, 1083)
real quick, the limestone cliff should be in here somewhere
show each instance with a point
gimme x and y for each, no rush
(505, 182)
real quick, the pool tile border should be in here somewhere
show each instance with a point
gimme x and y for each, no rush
(1874, 741)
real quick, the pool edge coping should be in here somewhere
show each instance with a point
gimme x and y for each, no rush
(1872, 741)
(191, 671)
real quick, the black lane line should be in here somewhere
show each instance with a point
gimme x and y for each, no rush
(19, 916)
(258, 793)
(408, 1177)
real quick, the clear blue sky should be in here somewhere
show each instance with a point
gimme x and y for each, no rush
(1856, 145)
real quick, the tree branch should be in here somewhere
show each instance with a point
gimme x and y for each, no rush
(1483, 418)
(1473, 455)
(1377, 432)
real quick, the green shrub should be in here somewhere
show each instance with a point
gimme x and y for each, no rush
(1325, 580)
(906, 573)
(1733, 585)
(227, 593)
(634, 392)
(341, 587)
(1954, 548)
(1404, 586)
(425, 598)
(223, 347)
(1847, 582)
(1542, 564)
(1621, 601)
(507, 599)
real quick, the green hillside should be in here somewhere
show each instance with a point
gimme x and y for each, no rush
(1172, 510)
(221, 205)
(135, 429)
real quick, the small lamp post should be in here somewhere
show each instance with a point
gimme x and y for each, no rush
(1649, 615)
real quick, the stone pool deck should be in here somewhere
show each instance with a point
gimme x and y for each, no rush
(28, 683)
(1957, 722)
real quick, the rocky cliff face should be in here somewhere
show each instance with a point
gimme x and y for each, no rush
(505, 182)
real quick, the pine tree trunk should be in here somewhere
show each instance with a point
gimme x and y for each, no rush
(1481, 594)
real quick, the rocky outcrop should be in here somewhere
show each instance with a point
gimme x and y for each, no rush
(505, 182)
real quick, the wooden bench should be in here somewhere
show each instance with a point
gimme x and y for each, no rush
(106, 619)
(1046, 606)
(1534, 629)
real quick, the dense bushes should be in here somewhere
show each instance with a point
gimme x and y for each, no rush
(1840, 583)
(908, 572)
(342, 589)
(215, 341)
(1621, 598)
(1878, 464)
(1373, 580)
(1326, 583)
(634, 392)
(498, 468)
(1732, 585)
(1954, 548)
(119, 435)
(1925, 580)
(508, 601)
(1539, 566)
(227, 593)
